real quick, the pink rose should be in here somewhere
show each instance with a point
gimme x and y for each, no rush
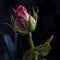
(23, 21)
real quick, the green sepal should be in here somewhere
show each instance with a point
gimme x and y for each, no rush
(12, 20)
(35, 14)
(9, 25)
(18, 30)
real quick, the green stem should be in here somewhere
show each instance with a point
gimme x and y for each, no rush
(36, 58)
(31, 43)
(30, 40)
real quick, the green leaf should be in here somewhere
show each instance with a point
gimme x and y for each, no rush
(44, 50)
(30, 54)
(40, 51)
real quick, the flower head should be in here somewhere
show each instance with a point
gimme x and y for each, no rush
(23, 21)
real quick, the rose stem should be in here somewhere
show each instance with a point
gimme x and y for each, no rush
(31, 43)
(30, 40)
(36, 58)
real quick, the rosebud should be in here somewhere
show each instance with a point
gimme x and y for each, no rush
(23, 21)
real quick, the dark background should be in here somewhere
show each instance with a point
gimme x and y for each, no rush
(48, 24)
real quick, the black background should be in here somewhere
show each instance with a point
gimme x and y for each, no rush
(48, 24)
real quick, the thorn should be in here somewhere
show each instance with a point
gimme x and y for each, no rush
(50, 39)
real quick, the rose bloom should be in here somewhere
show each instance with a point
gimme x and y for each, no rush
(23, 21)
